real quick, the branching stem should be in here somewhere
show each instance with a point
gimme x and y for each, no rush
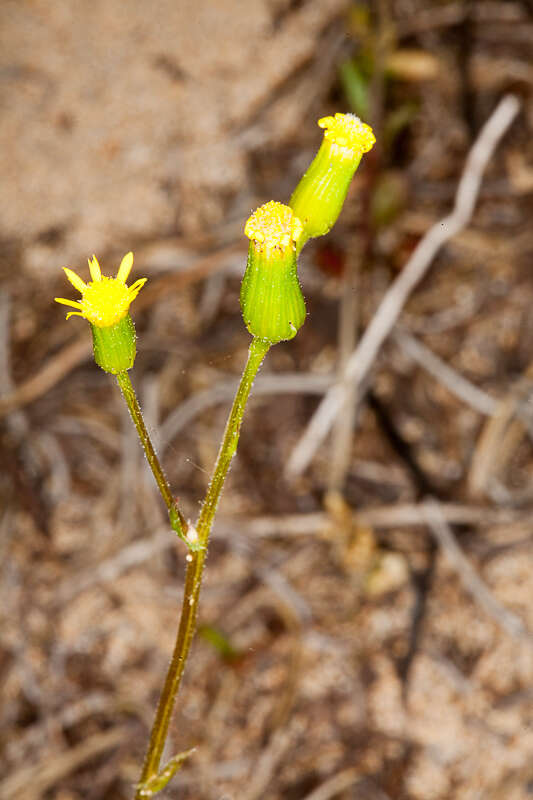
(195, 566)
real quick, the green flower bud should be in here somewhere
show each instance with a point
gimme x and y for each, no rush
(320, 195)
(272, 303)
(114, 346)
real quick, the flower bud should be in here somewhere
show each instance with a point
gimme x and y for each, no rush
(272, 303)
(319, 197)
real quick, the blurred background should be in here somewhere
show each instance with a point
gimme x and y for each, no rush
(354, 641)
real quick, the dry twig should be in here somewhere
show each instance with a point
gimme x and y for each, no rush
(478, 590)
(390, 516)
(344, 780)
(335, 785)
(33, 781)
(500, 437)
(477, 399)
(269, 761)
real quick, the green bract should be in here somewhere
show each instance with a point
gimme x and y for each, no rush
(114, 347)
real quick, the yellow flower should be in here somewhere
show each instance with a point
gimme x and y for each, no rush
(347, 135)
(104, 301)
(273, 226)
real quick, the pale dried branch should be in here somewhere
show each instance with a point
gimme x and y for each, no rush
(344, 780)
(33, 780)
(269, 761)
(396, 515)
(500, 437)
(455, 383)
(332, 787)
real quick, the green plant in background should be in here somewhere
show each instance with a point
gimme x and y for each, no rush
(374, 79)
(273, 310)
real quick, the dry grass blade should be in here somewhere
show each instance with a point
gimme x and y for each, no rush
(500, 437)
(335, 785)
(31, 782)
(269, 761)
(344, 780)
(384, 517)
(54, 370)
(475, 398)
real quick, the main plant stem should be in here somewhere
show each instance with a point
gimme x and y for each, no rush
(195, 567)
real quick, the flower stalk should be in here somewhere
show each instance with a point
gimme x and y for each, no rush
(177, 520)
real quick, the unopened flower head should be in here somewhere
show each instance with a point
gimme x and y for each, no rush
(104, 301)
(271, 299)
(320, 195)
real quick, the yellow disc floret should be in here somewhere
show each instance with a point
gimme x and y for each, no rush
(273, 226)
(347, 134)
(104, 301)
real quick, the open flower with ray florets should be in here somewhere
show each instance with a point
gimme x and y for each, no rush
(104, 301)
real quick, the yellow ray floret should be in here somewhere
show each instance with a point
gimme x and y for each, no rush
(273, 225)
(104, 301)
(348, 134)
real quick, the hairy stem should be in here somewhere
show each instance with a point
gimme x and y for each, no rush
(177, 520)
(195, 566)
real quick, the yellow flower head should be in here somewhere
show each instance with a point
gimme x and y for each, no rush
(104, 301)
(347, 134)
(273, 226)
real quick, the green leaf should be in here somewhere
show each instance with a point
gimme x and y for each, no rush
(355, 87)
(396, 121)
(219, 641)
(157, 782)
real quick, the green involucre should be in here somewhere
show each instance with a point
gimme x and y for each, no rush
(320, 195)
(272, 303)
(114, 346)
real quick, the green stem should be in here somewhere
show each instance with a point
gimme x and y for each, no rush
(258, 350)
(195, 566)
(177, 520)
